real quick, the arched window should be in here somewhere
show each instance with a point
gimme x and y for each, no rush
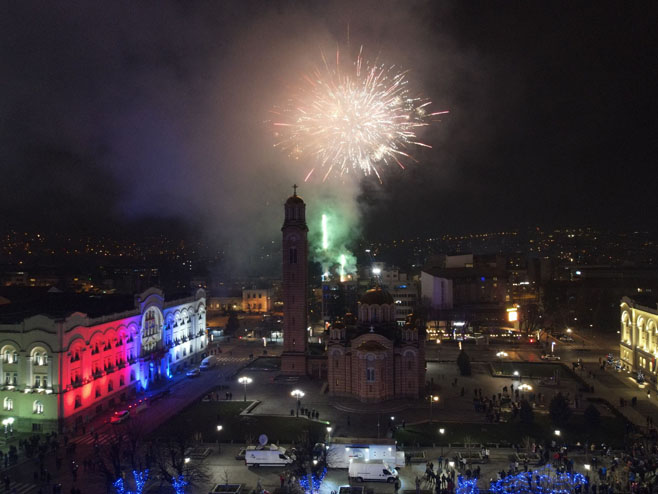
(293, 255)
(8, 404)
(37, 407)
(39, 357)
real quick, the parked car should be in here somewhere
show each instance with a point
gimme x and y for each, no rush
(566, 338)
(120, 417)
(550, 356)
(193, 373)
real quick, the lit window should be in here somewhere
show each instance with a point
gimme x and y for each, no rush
(37, 407)
(8, 404)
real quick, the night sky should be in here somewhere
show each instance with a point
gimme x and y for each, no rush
(117, 112)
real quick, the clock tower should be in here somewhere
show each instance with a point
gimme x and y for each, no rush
(295, 279)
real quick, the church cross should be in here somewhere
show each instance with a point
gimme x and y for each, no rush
(294, 187)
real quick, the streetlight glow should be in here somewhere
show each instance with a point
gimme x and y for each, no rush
(245, 380)
(299, 394)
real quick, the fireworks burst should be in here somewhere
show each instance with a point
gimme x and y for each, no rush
(354, 119)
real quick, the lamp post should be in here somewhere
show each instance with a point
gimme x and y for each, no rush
(299, 394)
(219, 445)
(433, 399)
(245, 380)
(442, 431)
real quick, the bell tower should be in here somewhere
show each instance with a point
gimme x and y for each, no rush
(295, 280)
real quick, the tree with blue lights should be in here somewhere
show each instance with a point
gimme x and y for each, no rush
(170, 458)
(140, 479)
(542, 481)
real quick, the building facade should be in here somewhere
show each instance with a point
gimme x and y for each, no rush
(59, 373)
(638, 348)
(294, 286)
(371, 358)
(255, 300)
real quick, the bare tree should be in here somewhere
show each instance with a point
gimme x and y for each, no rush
(124, 450)
(169, 457)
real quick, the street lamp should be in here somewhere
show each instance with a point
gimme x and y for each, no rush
(299, 394)
(245, 380)
(442, 431)
(433, 399)
(557, 432)
(219, 447)
(8, 423)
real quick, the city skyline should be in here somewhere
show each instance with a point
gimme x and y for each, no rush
(165, 117)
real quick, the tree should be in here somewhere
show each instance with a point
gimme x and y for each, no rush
(169, 456)
(592, 416)
(526, 413)
(232, 324)
(464, 363)
(559, 410)
(122, 451)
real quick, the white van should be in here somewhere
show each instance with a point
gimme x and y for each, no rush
(369, 470)
(208, 363)
(267, 456)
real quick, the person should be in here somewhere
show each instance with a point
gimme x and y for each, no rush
(417, 485)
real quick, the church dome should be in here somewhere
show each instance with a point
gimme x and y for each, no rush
(295, 199)
(377, 296)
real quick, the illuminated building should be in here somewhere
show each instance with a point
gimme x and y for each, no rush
(257, 300)
(374, 359)
(295, 285)
(58, 372)
(638, 348)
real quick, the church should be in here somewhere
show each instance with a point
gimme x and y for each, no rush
(371, 358)
(368, 357)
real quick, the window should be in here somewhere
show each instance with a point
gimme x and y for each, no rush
(132, 376)
(293, 255)
(15, 379)
(37, 407)
(98, 392)
(78, 402)
(7, 378)
(37, 381)
(122, 381)
(370, 374)
(8, 404)
(110, 386)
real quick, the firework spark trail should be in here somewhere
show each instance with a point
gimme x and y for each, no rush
(356, 119)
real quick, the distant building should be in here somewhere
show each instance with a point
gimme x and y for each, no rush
(257, 300)
(338, 298)
(373, 359)
(638, 347)
(58, 372)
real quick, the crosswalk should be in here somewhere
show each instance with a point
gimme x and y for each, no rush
(231, 360)
(101, 438)
(20, 488)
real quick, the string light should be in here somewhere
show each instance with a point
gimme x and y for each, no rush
(467, 486)
(140, 480)
(179, 484)
(315, 479)
(544, 481)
